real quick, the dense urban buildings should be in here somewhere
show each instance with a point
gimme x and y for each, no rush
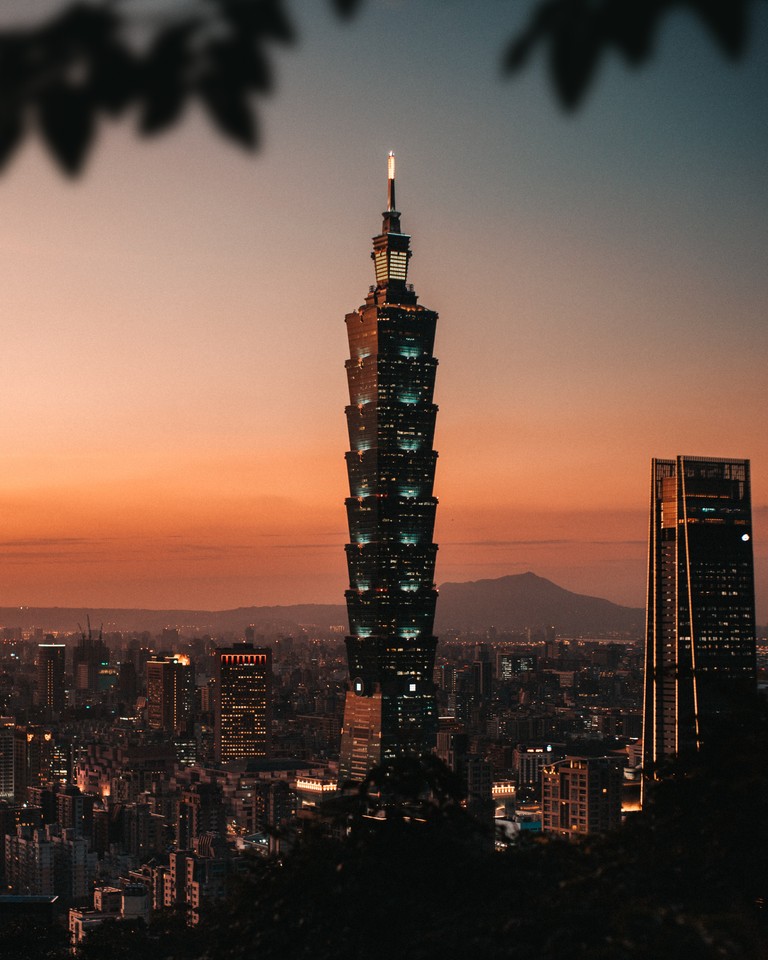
(390, 706)
(243, 702)
(700, 644)
(110, 799)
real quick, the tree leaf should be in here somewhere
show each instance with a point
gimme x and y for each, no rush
(345, 8)
(229, 109)
(116, 78)
(574, 54)
(67, 122)
(540, 26)
(631, 26)
(726, 21)
(11, 131)
(165, 78)
(240, 63)
(259, 18)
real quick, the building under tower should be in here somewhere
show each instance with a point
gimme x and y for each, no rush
(700, 642)
(390, 704)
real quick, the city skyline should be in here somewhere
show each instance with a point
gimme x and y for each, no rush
(172, 428)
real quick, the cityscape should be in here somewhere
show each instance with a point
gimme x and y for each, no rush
(541, 740)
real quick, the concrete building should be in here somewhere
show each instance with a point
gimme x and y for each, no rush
(581, 796)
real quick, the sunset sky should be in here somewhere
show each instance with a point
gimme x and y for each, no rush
(173, 383)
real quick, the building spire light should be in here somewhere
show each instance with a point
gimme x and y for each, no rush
(391, 182)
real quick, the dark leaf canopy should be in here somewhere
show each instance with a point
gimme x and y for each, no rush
(576, 33)
(85, 65)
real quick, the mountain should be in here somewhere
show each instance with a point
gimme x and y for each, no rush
(524, 600)
(510, 604)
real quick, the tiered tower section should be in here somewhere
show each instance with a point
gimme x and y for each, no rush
(390, 706)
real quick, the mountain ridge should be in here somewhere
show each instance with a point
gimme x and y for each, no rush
(511, 603)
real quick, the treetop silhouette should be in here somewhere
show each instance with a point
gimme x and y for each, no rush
(94, 61)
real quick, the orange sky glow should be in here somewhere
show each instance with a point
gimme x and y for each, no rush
(173, 370)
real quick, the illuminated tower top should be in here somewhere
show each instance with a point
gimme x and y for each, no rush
(391, 249)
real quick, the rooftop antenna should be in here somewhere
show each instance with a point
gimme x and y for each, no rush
(391, 182)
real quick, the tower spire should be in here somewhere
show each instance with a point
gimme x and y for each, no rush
(391, 216)
(391, 251)
(391, 208)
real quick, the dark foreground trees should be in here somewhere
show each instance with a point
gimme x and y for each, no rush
(99, 60)
(408, 875)
(686, 878)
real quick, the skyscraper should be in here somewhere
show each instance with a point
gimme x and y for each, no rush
(390, 705)
(89, 657)
(7, 745)
(243, 707)
(170, 693)
(700, 643)
(50, 677)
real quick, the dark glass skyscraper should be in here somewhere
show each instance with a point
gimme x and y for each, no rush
(390, 705)
(700, 643)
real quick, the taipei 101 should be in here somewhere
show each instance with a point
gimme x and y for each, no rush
(385, 481)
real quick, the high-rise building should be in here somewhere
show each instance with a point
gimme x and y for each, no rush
(170, 693)
(7, 752)
(390, 705)
(700, 643)
(50, 677)
(89, 657)
(581, 795)
(243, 707)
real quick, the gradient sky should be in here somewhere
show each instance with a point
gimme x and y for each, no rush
(173, 379)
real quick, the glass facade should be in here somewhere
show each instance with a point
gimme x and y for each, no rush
(390, 513)
(700, 644)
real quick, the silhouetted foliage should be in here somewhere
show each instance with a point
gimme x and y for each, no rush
(578, 32)
(33, 940)
(86, 64)
(685, 878)
(166, 936)
(91, 62)
(421, 788)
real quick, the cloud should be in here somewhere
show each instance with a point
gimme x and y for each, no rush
(51, 542)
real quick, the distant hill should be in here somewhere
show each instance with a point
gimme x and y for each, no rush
(524, 600)
(509, 603)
